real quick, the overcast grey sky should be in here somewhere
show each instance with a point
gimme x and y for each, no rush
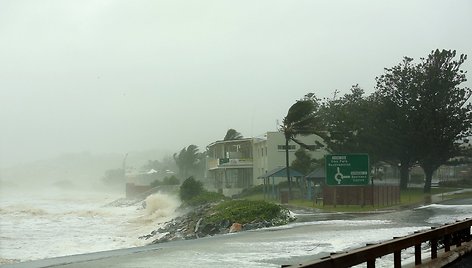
(117, 76)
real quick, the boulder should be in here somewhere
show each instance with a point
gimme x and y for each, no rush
(236, 227)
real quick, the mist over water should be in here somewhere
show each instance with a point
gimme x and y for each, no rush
(42, 220)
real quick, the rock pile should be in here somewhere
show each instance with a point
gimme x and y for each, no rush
(192, 225)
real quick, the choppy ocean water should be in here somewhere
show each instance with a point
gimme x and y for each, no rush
(43, 224)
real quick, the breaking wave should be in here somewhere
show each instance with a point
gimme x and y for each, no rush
(161, 206)
(23, 210)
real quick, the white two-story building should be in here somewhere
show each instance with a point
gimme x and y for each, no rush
(234, 165)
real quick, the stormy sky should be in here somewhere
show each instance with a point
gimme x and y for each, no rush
(116, 75)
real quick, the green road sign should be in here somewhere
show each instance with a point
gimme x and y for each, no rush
(347, 169)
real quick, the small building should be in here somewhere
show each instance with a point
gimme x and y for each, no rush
(273, 178)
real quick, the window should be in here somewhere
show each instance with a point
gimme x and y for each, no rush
(282, 147)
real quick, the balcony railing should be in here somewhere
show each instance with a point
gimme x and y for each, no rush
(214, 163)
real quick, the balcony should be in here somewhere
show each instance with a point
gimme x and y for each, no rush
(215, 163)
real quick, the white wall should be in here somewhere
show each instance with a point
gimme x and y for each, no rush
(267, 155)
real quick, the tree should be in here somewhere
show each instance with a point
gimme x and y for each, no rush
(190, 188)
(232, 134)
(167, 163)
(187, 159)
(352, 124)
(303, 161)
(443, 114)
(301, 119)
(426, 112)
(395, 93)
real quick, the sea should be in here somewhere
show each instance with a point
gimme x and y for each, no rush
(38, 223)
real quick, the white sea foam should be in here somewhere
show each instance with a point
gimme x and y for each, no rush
(330, 222)
(449, 213)
(41, 225)
(161, 205)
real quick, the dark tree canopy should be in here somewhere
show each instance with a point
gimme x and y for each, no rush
(426, 110)
(190, 188)
(352, 124)
(303, 161)
(187, 160)
(395, 93)
(443, 113)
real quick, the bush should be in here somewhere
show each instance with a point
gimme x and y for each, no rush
(245, 211)
(206, 197)
(172, 180)
(190, 188)
(252, 190)
(155, 183)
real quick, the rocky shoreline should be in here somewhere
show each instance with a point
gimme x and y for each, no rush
(194, 224)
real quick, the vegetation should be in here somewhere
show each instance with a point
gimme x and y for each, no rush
(172, 180)
(193, 193)
(167, 163)
(232, 134)
(409, 197)
(245, 211)
(302, 119)
(419, 114)
(428, 111)
(190, 161)
(206, 197)
(190, 188)
(303, 162)
(258, 189)
(352, 124)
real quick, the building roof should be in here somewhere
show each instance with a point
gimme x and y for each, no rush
(281, 172)
(318, 173)
(229, 141)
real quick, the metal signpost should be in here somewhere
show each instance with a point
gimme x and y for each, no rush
(347, 169)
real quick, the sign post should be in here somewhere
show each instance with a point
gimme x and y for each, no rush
(347, 169)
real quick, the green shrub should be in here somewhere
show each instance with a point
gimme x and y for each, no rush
(172, 180)
(206, 197)
(156, 183)
(190, 188)
(252, 190)
(244, 211)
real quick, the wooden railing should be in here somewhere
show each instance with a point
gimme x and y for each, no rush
(447, 235)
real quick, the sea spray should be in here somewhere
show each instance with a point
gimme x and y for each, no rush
(161, 206)
(159, 209)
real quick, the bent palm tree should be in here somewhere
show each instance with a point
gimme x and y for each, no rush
(301, 119)
(232, 134)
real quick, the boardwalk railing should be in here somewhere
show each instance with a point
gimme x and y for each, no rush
(446, 235)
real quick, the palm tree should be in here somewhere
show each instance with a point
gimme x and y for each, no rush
(187, 159)
(232, 134)
(301, 119)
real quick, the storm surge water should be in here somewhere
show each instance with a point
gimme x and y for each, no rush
(41, 223)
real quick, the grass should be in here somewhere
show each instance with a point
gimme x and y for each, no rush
(244, 211)
(409, 197)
